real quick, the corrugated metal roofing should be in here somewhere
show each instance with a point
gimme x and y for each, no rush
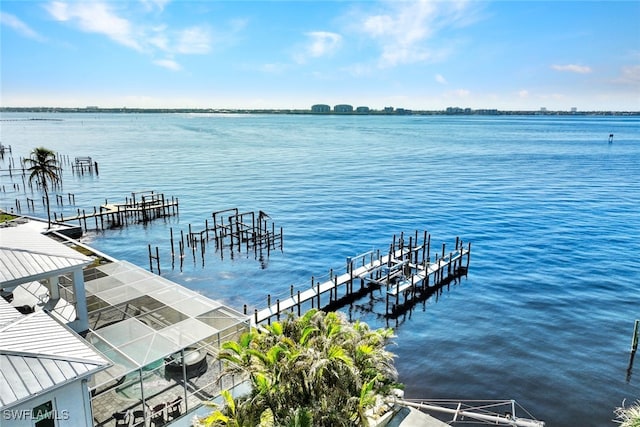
(26, 254)
(8, 313)
(38, 354)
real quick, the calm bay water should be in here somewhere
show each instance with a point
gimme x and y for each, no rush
(545, 315)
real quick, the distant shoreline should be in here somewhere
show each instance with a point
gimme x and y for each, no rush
(398, 112)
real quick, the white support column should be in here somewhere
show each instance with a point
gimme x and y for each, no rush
(81, 323)
(54, 288)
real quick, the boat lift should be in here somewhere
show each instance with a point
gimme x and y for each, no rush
(494, 412)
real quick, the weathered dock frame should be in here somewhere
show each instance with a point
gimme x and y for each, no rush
(149, 206)
(248, 229)
(83, 165)
(230, 229)
(405, 269)
(239, 230)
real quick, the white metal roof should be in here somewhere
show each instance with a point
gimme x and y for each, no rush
(38, 354)
(8, 313)
(27, 255)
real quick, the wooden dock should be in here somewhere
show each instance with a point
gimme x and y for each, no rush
(148, 206)
(402, 272)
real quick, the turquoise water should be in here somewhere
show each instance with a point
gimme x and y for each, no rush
(545, 315)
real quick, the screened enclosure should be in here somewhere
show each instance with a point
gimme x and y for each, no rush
(163, 340)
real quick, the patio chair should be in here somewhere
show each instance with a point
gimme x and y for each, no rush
(122, 418)
(138, 418)
(174, 408)
(158, 414)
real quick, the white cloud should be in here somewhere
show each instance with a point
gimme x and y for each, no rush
(319, 44)
(96, 17)
(194, 40)
(323, 43)
(155, 4)
(523, 93)
(629, 75)
(440, 79)
(153, 39)
(159, 38)
(403, 28)
(573, 68)
(169, 64)
(22, 28)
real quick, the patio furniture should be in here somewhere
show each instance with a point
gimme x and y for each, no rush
(138, 418)
(194, 362)
(174, 408)
(122, 418)
(158, 414)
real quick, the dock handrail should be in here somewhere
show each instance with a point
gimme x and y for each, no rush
(480, 410)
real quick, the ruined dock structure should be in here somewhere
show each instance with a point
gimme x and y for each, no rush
(407, 270)
(253, 230)
(230, 230)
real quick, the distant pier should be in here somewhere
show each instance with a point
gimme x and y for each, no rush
(407, 269)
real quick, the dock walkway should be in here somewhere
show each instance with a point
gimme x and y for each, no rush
(402, 271)
(151, 205)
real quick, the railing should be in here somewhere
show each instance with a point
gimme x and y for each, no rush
(495, 412)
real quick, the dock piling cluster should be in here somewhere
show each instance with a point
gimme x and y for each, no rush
(16, 170)
(230, 230)
(83, 165)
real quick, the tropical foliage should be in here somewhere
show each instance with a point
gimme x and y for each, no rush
(44, 170)
(318, 370)
(630, 416)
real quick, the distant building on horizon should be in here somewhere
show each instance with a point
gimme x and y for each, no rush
(363, 110)
(458, 110)
(343, 108)
(320, 108)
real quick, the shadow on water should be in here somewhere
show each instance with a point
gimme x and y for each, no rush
(375, 304)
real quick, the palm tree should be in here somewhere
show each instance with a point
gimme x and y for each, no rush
(317, 369)
(629, 416)
(44, 170)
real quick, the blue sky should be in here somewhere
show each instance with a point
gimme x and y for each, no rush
(509, 55)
